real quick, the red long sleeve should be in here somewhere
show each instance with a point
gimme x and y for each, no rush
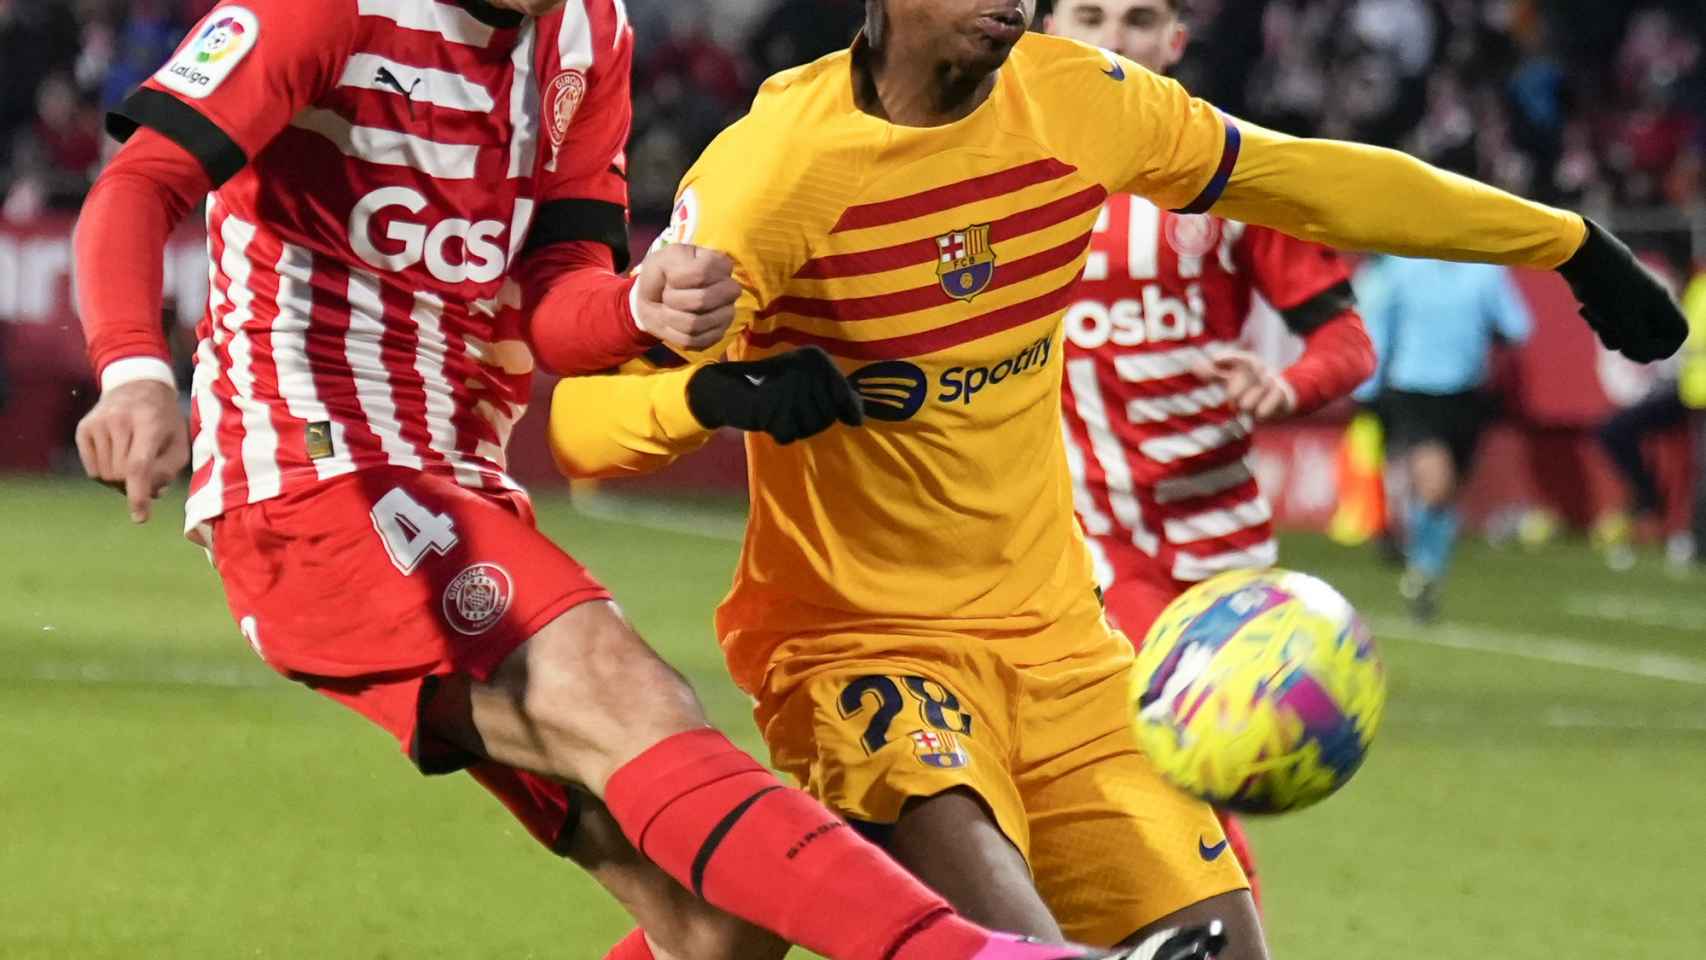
(578, 315)
(120, 246)
(1337, 357)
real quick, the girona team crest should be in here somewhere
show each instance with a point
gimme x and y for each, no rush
(966, 263)
(563, 98)
(477, 599)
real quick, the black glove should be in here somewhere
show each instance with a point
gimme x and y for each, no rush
(1622, 301)
(790, 396)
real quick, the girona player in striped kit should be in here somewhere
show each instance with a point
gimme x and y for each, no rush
(408, 197)
(1159, 400)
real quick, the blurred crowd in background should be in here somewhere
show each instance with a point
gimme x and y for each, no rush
(1584, 102)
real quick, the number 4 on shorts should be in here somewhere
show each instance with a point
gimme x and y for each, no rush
(410, 530)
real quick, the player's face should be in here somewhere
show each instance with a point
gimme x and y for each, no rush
(1147, 31)
(975, 34)
(533, 8)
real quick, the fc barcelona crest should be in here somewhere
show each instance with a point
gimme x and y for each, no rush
(967, 263)
(938, 748)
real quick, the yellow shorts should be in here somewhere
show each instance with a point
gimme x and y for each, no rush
(867, 722)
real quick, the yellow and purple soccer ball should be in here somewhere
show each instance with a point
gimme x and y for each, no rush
(1259, 691)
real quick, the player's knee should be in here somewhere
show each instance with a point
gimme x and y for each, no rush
(597, 694)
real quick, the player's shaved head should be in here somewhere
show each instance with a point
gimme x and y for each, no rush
(1151, 32)
(533, 8)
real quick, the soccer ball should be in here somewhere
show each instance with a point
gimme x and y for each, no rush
(1259, 691)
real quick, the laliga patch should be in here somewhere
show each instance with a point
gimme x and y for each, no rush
(563, 98)
(477, 599)
(683, 220)
(204, 62)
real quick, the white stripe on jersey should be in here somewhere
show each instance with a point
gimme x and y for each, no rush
(1195, 443)
(290, 356)
(1142, 367)
(1191, 569)
(260, 440)
(443, 161)
(1214, 524)
(1143, 249)
(1096, 265)
(372, 380)
(574, 39)
(1096, 523)
(441, 88)
(1207, 483)
(210, 499)
(1158, 409)
(447, 20)
(524, 104)
(440, 395)
(1109, 453)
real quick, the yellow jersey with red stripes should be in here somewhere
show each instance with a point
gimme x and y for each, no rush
(934, 264)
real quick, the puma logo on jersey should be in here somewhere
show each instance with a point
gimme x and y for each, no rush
(1157, 318)
(481, 257)
(386, 78)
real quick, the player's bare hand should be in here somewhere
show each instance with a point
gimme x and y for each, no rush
(686, 296)
(1252, 386)
(135, 441)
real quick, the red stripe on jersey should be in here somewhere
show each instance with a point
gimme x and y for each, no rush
(928, 297)
(264, 254)
(953, 195)
(334, 379)
(929, 341)
(916, 252)
(398, 346)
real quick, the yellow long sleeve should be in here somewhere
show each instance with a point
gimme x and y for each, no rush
(608, 426)
(1370, 199)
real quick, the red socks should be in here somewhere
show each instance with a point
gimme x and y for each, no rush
(723, 826)
(632, 947)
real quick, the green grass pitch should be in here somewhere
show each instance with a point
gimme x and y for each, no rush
(1538, 790)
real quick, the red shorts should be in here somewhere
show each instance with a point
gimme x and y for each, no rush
(368, 586)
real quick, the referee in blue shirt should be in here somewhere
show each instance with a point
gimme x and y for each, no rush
(1435, 326)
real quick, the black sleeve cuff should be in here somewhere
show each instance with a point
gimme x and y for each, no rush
(1223, 174)
(1312, 314)
(182, 124)
(597, 221)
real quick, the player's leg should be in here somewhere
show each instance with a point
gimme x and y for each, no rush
(585, 700)
(1431, 524)
(909, 740)
(952, 843)
(382, 586)
(1115, 849)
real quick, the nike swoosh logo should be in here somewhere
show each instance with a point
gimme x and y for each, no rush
(755, 380)
(1114, 72)
(1209, 853)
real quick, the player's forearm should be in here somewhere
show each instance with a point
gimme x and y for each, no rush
(580, 314)
(1365, 198)
(120, 252)
(1337, 357)
(606, 426)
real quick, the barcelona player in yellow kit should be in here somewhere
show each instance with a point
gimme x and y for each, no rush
(914, 609)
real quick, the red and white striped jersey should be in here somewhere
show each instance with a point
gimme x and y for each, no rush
(1158, 457)
(379, 167)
